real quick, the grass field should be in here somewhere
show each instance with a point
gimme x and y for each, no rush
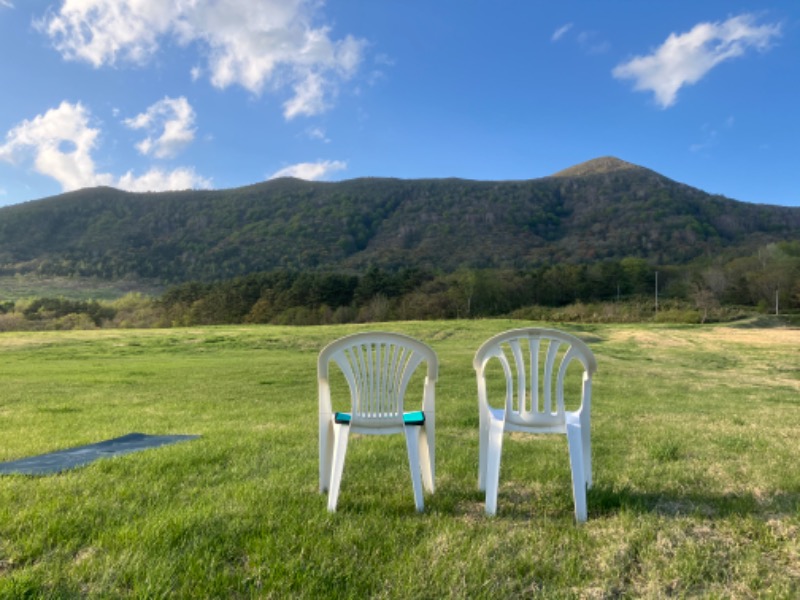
(14, 287)
(696, 470)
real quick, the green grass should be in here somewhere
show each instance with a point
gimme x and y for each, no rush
(14, 287)
(696, 454)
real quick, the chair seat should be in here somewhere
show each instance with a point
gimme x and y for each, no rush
(416, 417)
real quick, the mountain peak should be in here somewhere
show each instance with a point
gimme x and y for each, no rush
(597, 166)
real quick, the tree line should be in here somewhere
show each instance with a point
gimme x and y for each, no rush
(630, 289)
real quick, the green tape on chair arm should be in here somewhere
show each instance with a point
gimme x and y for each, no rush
(416, 417)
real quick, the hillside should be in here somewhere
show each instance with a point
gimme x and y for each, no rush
(602, 209)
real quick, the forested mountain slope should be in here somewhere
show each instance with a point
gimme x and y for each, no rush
(602, 209)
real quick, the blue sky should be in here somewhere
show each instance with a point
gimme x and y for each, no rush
(159, 94)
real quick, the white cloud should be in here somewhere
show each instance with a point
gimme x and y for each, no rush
(251, 43)
(318, 133)
(157, 180)
(710, 136)
(685, 59)
(61, 142)
(102, 32)
(173, 120)
(559, 33)
(384, 59)
(309, 98)
(311, 171)
(6, 4)
(709, 140)
(591, 43)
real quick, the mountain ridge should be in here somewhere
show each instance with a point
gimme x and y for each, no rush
(603, 209)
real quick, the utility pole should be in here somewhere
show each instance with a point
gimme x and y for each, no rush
(656, 292)
(776, 302)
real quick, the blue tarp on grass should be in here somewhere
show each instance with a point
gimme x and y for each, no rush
(62, 460)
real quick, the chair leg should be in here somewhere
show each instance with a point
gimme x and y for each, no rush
(483, 448)
(341, 435)
(587, 456)
(426, 457)
(576, 457)
(494, 448)
(412, 443)
(325, 452)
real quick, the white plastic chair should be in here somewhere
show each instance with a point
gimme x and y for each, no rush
(378, 367)
(535, 363)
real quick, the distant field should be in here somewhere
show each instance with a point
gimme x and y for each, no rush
(75, 288)
(696, 454)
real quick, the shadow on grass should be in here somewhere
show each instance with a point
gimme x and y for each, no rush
(515, 505)
(605, 501)
(766, 322)
(525, 503)
(518, 505)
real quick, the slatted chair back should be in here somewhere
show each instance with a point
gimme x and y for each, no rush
(535, 363)
(378, 368)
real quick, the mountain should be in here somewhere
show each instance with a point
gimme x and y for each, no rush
(602, 209)
(599, 166)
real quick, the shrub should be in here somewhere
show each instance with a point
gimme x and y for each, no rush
(137, 311)
(73, 321)
(13, 322)
(676, 315)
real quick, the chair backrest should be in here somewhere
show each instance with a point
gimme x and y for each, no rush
(535, 363)
(378, 367)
